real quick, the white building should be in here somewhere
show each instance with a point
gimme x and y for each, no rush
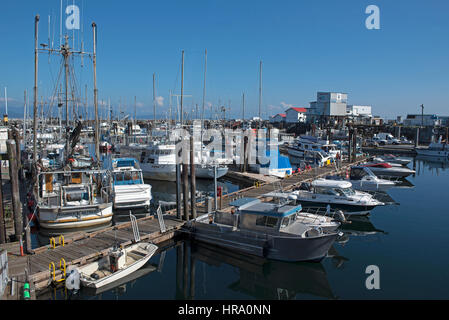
(328, 104)
(426, 120)
(359, 111)
(294, 115)
(280, 117)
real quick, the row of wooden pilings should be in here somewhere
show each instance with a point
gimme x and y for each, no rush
(16, 175)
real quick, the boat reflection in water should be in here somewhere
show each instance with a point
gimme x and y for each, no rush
(431, 163)
(268, 279)
(360, 226)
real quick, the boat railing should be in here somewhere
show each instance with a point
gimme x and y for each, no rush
(320, 211)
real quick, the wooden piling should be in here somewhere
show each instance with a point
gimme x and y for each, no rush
(28, 245)
(13, 174)
(2, 213)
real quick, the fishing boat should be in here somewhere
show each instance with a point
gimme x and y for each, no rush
(158, 162)
(73, 199)
(435, 149)
(263, 229)
(130, 191)
(307, 144)
(119, 263)
(387, 170)
(338, 194)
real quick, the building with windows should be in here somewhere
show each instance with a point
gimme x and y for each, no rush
(328, 104)
(422, 120)
(294, 115)
(280, 117)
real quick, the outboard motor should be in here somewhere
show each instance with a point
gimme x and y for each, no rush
(339, 216)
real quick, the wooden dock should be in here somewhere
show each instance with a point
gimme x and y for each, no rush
(79, 249)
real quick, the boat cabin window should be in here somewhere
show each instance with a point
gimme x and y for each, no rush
(357, 173)
(267, 221)
(328, 191)
(127, 177)
(286, 221)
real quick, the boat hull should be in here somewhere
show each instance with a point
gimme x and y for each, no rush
(281, 248)
(167, 172)
(71, 219)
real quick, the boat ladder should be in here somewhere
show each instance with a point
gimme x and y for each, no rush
(135, 227)
(160, 218)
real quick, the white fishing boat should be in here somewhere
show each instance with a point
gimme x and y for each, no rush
(158, 162)
(130, 191)
(118, 264)
(73, 199)
(309, 145)
(435, 149)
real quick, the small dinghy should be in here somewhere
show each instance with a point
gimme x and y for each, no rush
(117, 264)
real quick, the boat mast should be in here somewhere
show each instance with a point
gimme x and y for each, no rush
(24, 118)
(260, 92)
(97, 147)
(202, 109)
(65, 53)
(154, 100)
(36, 25)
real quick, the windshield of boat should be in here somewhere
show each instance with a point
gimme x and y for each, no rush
(345, 191)
(286, 221)
(127, 177)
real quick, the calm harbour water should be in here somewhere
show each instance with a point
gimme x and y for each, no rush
(408, 241)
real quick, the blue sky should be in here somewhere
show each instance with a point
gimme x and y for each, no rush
(305, 47)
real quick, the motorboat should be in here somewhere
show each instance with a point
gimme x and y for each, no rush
(392, 159)
(363, 179)
(263, 229)
(385, 169)
(130, 191)
(337, 194)
(73, 199)
(119, 263)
